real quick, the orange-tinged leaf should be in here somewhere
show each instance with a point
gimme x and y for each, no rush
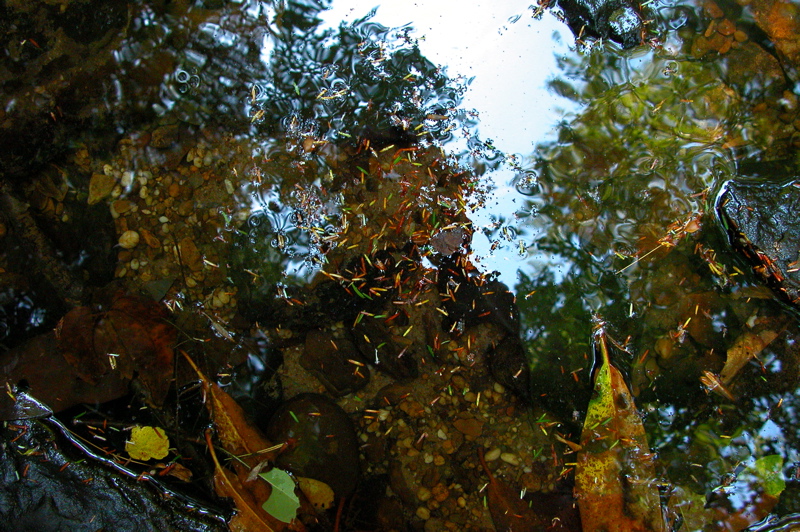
(237, 436)
(243, 441)
(250, 517)
(748, 346)
(615, 482)
(509, 512)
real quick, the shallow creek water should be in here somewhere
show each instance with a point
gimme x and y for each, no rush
(269, 171)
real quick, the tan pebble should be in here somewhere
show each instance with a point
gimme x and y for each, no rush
(412, 453)
(428, 458)
(442, 435)
(186, 208)
(740, 36)
(509, 458)
(713, 9)
(438, 460)
(726, 27)
(726, 46)
(129, 239)
(121, 273)
(440, 492)
(100, 186)
(423, 513)
(470, 397)
(499, 388)
(174, 190)
(224, 297)
(144, 193)
(229, 186)
(122, 206)
(127, 179)
(493, 454)
(423, 494)
(469, 427)
(710, 29)
(190, 282)
(134, 264)
(150, 239)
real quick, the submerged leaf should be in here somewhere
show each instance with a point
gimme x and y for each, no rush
(146, 443)
(249, 447)
(318, 493)
(509, 512)
(769, 470)
(131, 337)
(283, 503)
(615, 481)
(747, 346)
(250, 517)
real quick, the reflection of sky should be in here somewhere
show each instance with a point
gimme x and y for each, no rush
(511, 56)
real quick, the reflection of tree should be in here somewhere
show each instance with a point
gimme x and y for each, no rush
(654, 132)
(334, 83)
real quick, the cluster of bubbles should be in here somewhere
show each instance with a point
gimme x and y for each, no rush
(186, 81)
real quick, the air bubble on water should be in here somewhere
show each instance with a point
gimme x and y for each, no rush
(527, 183)
(181, 76)
(194, 81)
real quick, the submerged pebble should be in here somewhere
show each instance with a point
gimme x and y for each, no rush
(322, 442)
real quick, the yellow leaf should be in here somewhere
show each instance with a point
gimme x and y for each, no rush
(319, 494)
(146, 443)
(615, 482)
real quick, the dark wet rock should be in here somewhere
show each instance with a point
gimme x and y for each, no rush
(388, 352)
(334, 361)
(392, 394)
(372, 509)
(616, 20)
(508, 364)
(761, 221)
(322, 441)
(476, 301)
(66, 488)
(64, 51)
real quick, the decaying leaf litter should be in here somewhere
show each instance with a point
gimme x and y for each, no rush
(456, 321)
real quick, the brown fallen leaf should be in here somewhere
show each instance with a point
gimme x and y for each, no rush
(509, 512)
(748, 346)
(130, 337)
(615, 482)
(250, 449)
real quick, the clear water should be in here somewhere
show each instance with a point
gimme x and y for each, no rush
(598, 169)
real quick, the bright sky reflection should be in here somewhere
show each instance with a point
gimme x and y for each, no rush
(511, 56)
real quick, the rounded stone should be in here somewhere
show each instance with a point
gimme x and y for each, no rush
(321, 441)
(129, 239)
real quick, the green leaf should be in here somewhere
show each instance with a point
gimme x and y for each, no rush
(769, 470)
(283, 503)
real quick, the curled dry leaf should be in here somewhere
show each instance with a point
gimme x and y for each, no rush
(240, 439)
(615, 482)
